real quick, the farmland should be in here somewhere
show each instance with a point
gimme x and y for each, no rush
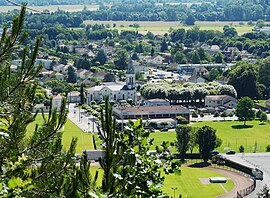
(162, 27)
(53, 8)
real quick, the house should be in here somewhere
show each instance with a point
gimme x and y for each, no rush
(74, 97)
(222, 80)
(201, 71)
(220, 100)
(57, 102)
(267, 103)
(196, 79)
(58, 76)
(155, 60)
(151, 112)
(46, 62)
(156, 102)
(115, 90)
(99, 75)
(58, 67)
(214, 49)
(83, 73)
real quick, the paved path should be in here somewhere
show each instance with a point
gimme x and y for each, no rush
(84, 122)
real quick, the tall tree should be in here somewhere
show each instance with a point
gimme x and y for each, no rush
(163, 46)
(82, 96)
(101, 57)
(182, 139)
(120, 61)
(207, 141)
(72, 77)
(243, 78)
(244, 109)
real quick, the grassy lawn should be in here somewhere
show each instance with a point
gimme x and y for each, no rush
(85, 141)
(189, 185)
(232, 133)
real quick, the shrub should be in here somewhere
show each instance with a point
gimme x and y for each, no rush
(258, 113)
(230, 114)
(216, 114)
(181, 120)
(195, 114)
(268, 148)
(241, 149)
(153, 125)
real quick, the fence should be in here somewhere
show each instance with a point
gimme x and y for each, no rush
(247, 191)
(247, 171)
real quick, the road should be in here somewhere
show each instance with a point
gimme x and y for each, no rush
(82, 120)
(255, 160)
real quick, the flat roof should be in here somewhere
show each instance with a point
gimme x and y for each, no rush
(153, 109)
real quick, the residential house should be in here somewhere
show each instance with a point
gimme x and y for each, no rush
(74, 97)
(220, 100)
(58, 76)
(155, 60)
(83, 73)
(99, 75)
(58, 67)
(57, 102)
(196, 79)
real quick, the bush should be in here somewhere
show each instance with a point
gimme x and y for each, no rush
(216, 114)
(268, 148)
(195, 114)
(230, 114)
(241, 149)
(152, 125)
(258, 113)
(181, 120)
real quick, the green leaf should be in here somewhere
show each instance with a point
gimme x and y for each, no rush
(14, 182)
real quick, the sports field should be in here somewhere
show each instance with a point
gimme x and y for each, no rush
(162, 27)
(188, 183)
(254, 137)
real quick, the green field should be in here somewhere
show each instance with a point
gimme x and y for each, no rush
(85, 141)
(188, 183)
(162, 27)
(232, 133)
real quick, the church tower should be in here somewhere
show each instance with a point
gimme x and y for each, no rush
(130, 75)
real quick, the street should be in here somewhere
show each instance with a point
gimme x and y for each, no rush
(84, 122)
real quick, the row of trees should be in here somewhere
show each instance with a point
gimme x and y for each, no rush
(185, 93)
(188, 138)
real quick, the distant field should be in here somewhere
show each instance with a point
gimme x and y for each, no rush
(232, 133)
(162, 27)
(53, 8)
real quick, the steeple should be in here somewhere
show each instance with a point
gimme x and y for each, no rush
(130, 75)
(130, 67)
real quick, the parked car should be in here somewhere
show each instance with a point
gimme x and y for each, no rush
(231, 152)
(214, 153)
(164, 129)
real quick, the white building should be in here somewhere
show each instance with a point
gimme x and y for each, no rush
(57, 102)
(156, 102)
(115, 90)
(220, 100)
